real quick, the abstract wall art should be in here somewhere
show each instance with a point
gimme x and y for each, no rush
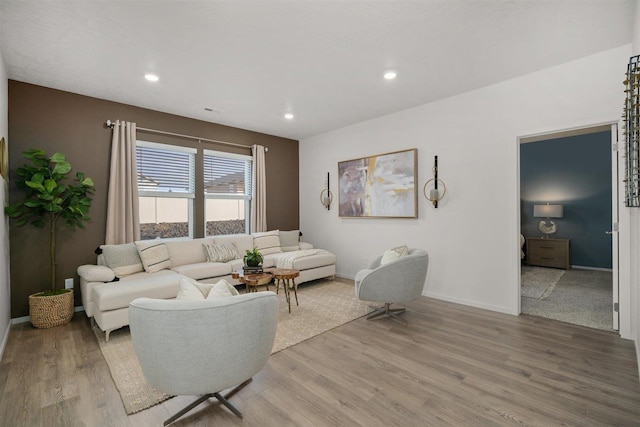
(380, 186)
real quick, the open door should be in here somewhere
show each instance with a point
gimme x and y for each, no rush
(613, 232)
(617, 215)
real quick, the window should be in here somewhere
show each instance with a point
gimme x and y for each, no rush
(166, 186)
(227, 191)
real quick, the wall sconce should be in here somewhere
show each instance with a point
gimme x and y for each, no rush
(547, 226)
(326, 196)
(435, 194)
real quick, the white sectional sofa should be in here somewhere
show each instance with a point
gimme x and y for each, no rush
(154, 268)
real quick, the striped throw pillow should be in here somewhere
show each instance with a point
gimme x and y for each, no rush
(267, 242)
(154, 256)
(220, 253)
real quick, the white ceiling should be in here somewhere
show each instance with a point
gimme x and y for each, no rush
(252, 61)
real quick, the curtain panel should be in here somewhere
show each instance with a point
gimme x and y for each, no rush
(123, 216)
(259, 204)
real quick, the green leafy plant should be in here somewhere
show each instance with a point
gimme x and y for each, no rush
(253, 258)
(48, 200)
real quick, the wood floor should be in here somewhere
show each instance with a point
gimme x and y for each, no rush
(451, 365)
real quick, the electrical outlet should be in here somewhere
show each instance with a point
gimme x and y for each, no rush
(68, 283)
(365, 261)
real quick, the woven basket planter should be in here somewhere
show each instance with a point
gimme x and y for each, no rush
(50, 311)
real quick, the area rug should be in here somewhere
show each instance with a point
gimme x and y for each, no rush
(581, 297)
(323, 305)
(539, 282)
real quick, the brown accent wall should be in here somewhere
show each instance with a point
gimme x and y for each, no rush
(73, 124)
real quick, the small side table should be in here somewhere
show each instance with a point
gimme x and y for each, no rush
(549, 252)
(252, 281)
(283, 275)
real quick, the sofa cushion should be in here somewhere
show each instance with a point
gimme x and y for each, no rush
(189, 251)
(204, 270)
(318, 259)
(236, 264)
(243, 242)
(111, 296)
(154, 256)
(220, 253)
(305, 246)
(267, 242)
(122, 259)
(289, 240)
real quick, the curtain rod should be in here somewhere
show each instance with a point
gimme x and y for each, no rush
(110, 124)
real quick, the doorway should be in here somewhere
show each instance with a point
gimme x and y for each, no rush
(573, 175)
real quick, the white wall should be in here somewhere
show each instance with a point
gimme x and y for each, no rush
(473, 237)
(5, 296)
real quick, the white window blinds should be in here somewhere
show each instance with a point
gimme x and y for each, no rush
(165, 170)
(227, 175)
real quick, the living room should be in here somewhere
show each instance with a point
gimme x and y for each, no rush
(473, 236)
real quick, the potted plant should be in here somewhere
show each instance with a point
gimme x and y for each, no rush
(50, 201)
(252, 260)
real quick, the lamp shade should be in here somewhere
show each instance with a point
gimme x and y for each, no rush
(547, 211)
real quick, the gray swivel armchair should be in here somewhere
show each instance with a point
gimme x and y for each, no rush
(401, 280)
(203, 347)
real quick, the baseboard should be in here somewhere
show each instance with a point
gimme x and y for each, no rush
(17, 320)
(470, 303)
(5, 338)
(453, 300)
(637, 342)
(584, 267)
(345, 276)
(25, 319)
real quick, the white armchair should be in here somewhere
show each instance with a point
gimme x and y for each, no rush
(188, 347)
(401, 280)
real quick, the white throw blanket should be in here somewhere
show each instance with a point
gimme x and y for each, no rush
(286, 261)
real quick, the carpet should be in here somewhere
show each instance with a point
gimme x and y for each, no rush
(324, 305)
(539, 282)
(580, 297)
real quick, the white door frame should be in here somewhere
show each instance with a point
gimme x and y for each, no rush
(614, 231)
(620, 239)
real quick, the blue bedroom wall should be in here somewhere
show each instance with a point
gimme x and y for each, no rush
(575, 172)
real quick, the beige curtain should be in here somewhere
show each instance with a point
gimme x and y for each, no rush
(259, 205)
(123, 216)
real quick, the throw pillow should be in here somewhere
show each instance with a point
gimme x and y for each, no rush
(189, 286)
(220, 253)
(193, 290)
(122, 259)
(190, 291)
(222, 289)
(289, 240)
(267, 242)
(394, 254)
(154, 256)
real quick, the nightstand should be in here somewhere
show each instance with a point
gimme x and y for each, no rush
(549, 252)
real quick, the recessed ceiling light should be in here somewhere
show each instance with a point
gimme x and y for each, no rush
(288, 116)
(151, 77)
(390, 75)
